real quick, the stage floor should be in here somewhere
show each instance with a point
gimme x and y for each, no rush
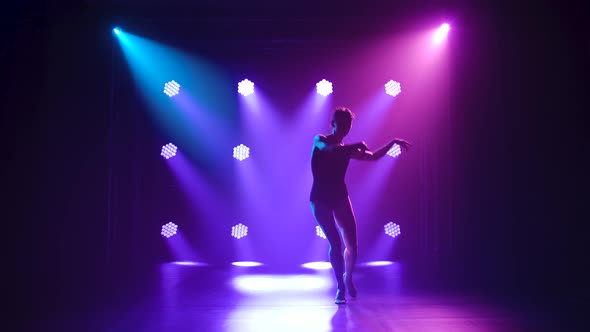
(179, 297)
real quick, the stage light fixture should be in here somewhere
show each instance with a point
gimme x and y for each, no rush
(319, 232)
(246, 87)
(441, 33)
(169, 229)
(395, 151)
(168, 151)
(241, 152)
(171, 88)
(117, 31)
(324, 87)
(393, 88)
(239, 231)
(392, 229)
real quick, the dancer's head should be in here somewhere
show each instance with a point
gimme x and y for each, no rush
(342, 121)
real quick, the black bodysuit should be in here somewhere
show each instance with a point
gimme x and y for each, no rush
(329, 169)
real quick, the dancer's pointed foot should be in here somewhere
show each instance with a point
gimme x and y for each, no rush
(340, 296)
(350, 285)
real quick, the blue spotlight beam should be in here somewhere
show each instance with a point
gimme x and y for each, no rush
(202, 104)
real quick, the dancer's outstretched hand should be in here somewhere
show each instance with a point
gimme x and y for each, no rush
(362, 146)
(403, 143)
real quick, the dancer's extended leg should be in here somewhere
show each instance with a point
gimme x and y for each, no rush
(347, 222)
(325, 218)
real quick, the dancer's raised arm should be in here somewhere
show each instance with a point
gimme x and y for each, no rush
(321, 142)
(372, 156)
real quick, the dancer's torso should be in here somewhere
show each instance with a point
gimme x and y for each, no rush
(329, 170)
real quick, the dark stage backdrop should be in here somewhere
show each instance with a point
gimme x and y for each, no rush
(513, 218)
(285, 63)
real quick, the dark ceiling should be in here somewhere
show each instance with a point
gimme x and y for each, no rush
(246, 19)
(262, 8)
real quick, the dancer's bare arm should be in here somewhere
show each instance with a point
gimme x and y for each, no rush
(323, 144)
(372, 156)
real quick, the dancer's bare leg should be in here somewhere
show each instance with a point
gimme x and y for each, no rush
(325, 218)
(347, 222)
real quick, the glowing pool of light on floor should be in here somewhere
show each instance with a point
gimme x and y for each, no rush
(188, 263)
(317, 265)
(280, 283)
(378, 263)
(246, 264)
(253, 316)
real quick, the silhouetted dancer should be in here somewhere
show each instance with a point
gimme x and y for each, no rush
(329, 195)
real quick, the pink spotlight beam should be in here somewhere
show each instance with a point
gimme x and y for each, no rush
(441, 33)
